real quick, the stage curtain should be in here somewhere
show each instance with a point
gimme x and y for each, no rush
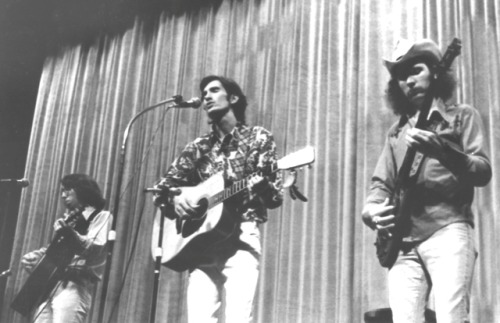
(313, 73)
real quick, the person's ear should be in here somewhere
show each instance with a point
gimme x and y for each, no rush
(233, 99)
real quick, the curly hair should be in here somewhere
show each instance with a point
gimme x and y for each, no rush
(444, 87)
(232, 88)
(86, 189)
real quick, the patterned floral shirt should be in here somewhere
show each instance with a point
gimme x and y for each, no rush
(240, 153)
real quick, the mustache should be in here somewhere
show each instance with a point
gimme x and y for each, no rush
(415, 91)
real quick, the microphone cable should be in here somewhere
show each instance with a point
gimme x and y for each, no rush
(141, 214)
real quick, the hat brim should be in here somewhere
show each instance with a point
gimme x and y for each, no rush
(425, 50)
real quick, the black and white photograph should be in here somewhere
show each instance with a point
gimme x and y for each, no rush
(249, 161)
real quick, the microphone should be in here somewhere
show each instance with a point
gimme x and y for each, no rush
(193, 103)
(152, 190)
(6, 273)
(23, 182)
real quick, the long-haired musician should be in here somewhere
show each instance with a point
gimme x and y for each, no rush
(229, 270)
(84, 227)
(437, 249)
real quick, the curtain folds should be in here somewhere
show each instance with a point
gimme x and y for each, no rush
(313, 74)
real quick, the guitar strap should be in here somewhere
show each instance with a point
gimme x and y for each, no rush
(417, 162)
(419, 157)
(82, 225)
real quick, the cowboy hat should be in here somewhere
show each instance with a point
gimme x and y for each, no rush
(406, 51)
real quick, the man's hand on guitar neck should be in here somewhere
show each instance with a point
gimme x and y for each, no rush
(378, 216)
(263, 189)
(427, 142)
(72, 238)
(258, 184)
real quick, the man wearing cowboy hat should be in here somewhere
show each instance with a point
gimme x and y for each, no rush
(438, 249)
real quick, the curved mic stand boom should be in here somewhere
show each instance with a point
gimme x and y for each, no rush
(112, 233)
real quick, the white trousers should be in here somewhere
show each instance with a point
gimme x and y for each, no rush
(445, 263)
(70, 304)
(224, 288)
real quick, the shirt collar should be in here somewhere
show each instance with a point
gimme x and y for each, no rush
(235, 133)
(88, 211)
(437, 110)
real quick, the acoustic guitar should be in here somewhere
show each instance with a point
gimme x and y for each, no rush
(389, 242)
(49, 270)
(185, 240)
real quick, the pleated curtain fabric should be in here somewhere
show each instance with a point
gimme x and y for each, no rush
(313, 74)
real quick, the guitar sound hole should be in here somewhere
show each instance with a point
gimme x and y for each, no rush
(191, 225)
(201, 209)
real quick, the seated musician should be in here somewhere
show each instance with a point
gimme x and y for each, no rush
(84, 227)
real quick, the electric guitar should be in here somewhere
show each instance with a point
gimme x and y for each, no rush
(47, 272)
(185, 240)
(389, 242)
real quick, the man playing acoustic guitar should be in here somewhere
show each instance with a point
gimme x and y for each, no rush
(437, 248)
(84, 232)
(227, 271)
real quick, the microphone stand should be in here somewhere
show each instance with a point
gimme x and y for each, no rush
(158, 256)
(10, 190)
(112, 233)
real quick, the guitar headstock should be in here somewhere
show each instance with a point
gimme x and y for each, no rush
(453, 50)
(302, 157)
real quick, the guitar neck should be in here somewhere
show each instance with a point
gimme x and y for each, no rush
(236, 187)
(445, 63)
(405, 168)
(69, 219)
